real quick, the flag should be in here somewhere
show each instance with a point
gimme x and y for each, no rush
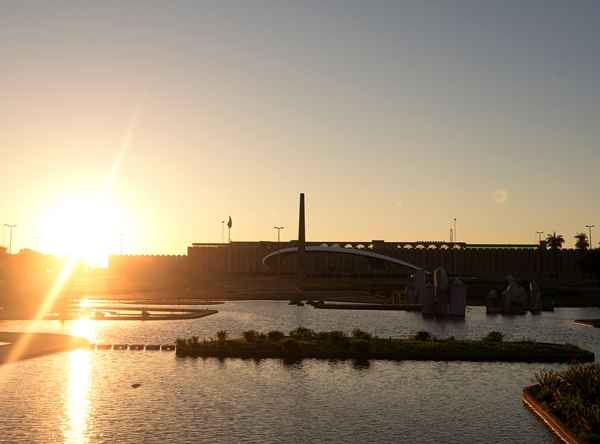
(229, 223)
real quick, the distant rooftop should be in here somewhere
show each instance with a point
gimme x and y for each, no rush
(374, 243)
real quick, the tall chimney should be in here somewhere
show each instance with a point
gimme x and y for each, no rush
(301, 240)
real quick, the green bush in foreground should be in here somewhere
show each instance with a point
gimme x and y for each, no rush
(261, 337)
(291, 346)
(423, 336)
(573, 395)
(275, 335)
(361, 346)
(302, 333)
(334, 337)
(250, 335)
(305, 343)
(357, 333)
(493, 336)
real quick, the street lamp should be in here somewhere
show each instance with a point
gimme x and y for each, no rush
(10, 227)
(455, 235)
(222, 231)
(278, 240)
(589, 227)
(539, 233)
(278, 234)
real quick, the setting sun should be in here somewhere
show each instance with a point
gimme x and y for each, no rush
(87, 229)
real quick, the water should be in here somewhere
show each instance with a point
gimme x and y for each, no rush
(84, 396)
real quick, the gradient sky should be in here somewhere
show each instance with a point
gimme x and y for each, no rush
(394, 117)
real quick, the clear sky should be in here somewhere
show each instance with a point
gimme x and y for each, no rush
(394, 117)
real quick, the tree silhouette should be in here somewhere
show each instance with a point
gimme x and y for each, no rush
(555, 241)
(582, 242)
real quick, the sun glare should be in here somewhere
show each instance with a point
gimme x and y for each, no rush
(86, 229)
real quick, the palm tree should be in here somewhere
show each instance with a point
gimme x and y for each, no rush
(582, 242)
(555, 241)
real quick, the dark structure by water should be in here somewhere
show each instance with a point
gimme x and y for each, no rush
(377, 267)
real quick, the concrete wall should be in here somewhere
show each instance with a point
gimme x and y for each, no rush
(484, 263)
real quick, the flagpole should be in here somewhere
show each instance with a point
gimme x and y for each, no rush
(229, 225)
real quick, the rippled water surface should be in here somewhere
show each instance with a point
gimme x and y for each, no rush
(84, 396)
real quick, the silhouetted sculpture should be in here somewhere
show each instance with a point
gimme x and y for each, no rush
(458, 298)
(512, 300)
(441, 291)
(535, 298)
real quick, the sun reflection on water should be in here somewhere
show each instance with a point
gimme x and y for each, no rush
(85, 328)
(77, 404)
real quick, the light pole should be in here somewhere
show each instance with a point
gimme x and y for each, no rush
(222, 231)
(278, 234)
(455, 235)
(539, 233)
(278, 241)
(10, 227)
(589, 227)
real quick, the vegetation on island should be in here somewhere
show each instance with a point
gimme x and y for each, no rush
(573, 396)
(305, 343)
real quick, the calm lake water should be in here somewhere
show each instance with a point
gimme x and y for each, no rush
(84, 396)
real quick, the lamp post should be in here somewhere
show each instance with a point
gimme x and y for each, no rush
(278, 241)
(589, 227)
(539, 233)
(222, 231)
(278, 234)
(455, 235)
(10, 227)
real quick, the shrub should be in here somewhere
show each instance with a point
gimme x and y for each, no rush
(423, 336)
(261, 337)
(573, 395)
(357, 333)
(361, 346)
(291, 346)
(275, 335)
(222, 335)
(250, 335)
(193, 340)
(302, 333)
(493, 336)
(337, 337)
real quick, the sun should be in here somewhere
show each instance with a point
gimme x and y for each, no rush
(84, 228)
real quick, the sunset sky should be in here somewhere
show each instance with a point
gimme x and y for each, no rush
(156, 120)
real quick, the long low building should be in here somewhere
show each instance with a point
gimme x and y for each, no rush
(484, 261)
